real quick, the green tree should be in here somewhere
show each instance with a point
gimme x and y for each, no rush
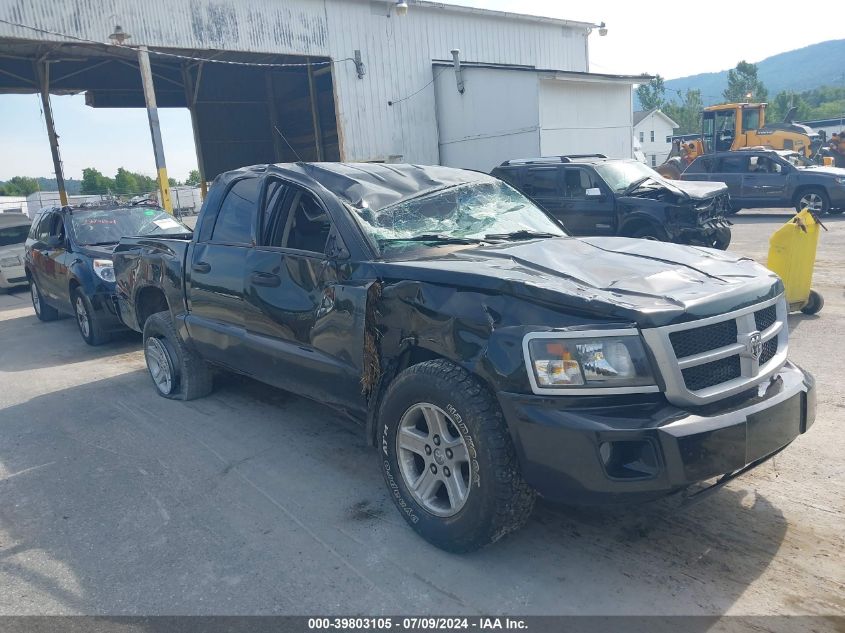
(172, 182)
(653, 94)
(93, 182)
(743, 81)
(125, 182)
(193, 178)
(687, 113)
(779, 106)
(19, 186)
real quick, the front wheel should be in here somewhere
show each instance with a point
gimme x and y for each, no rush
(722, 238)
(89, 325)
(650, 232)
(448, 459)
(177, 371)
(815, 199)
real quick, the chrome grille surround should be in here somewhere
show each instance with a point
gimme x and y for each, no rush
(752, 370)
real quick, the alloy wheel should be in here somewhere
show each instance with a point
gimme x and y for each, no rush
(811, 201)
(36, 301)
(82, 317)
(433, 459)
(158, 362)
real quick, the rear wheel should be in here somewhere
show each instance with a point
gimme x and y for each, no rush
(448, 459)
(43, 311)
(86, 318)
(814, 199)
(177, 371)
(722, 238)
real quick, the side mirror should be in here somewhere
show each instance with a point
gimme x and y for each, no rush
(54, 241)
(593, 192)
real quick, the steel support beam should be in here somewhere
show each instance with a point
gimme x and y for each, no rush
(315, 113)
(191, 92)
(43, 70)
(155, 127)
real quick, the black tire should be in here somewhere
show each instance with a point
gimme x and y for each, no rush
(190, 377)
(722, 238)
(43, 311)
(815, 303)
(819, 197)
(650, 232)
(497, 501)
(90, 329)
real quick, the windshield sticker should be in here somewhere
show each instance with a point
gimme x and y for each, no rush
(149, 212)
(166, 223)
(99, 221)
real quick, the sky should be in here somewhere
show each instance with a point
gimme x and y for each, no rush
(672, 39)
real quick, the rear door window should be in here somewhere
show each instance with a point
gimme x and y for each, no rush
(576, 181)
(542, 182)
(237, 213)
(733, 165)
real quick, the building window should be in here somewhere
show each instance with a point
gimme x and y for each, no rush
(652, 136)
(668, 139)
(654, 160)
(642, 137)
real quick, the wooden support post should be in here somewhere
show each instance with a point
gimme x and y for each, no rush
(155, 127)
(315, 113)
(43, 69)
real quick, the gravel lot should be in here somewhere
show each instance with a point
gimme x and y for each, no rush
(116, 501)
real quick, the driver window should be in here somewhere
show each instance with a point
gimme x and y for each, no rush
(299, 222)
(576, 182)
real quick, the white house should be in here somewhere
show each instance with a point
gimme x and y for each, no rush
(653, 129)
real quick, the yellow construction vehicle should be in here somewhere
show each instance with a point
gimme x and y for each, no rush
(732, 126)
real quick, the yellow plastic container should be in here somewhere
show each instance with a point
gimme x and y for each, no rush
(792, 255)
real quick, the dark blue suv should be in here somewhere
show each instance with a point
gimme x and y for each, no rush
(68, 261)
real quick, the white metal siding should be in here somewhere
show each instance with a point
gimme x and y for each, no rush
(585, 117)
(662, 128)
(476, 135)
(397, 51)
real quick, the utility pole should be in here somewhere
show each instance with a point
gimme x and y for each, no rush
(43, 68)
(155, 128)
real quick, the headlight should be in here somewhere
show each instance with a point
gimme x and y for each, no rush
(9, 262)
(104, 269)
(840, 180)
(587, 362)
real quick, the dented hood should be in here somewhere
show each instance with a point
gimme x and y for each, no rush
(698, 190)
(613, 278)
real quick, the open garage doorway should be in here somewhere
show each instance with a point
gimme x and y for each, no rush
(246, 108)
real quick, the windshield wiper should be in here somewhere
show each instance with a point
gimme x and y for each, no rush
(433, 237)
(523, 234)
(110, 243)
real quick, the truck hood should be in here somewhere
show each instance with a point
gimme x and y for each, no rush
(106, 251)
(838, 172)
(611, 278)
(696, 190)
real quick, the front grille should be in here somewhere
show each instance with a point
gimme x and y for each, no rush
(770, 348)
(710, 374)
(765, 318)
(704, 361)
(703, 339)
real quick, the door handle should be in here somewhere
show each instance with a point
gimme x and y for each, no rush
(201, 267)
(265, 279)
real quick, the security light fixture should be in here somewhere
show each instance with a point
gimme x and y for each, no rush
(119, 36)
(602, 29)
(401, 7)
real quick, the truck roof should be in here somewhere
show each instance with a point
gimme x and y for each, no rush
(374, 185)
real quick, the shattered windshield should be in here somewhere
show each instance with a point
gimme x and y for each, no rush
(622, 174)
(107, 226)
(459, 214)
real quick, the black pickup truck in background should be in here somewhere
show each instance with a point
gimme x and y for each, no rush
(487, 355)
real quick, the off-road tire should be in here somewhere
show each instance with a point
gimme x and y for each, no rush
(499, 499)
(96, 335)
(43, 311)
(722, 239)
(650, 232)
(821, 194)
(192, 377)
(815, 303)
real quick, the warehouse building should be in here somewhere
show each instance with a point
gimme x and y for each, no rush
(353, 80)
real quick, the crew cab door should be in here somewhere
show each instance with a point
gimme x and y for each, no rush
(50, 258)
(304, 326)
(731, 170)
(214, 277)
(582, 211)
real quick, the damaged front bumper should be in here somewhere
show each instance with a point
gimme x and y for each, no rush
(591, 452)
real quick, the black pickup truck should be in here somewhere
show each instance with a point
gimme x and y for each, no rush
(487, 355)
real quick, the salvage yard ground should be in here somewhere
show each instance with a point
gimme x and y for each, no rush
(116, 501)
